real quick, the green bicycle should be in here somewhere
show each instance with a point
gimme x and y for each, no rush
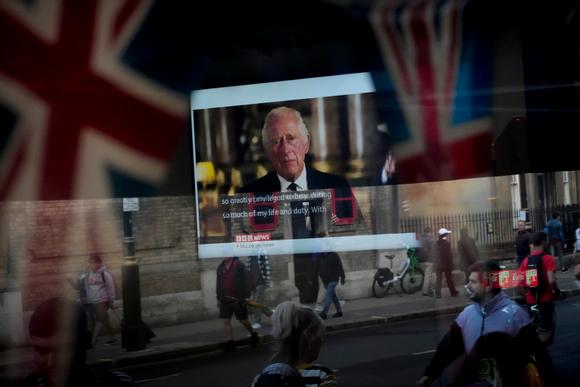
(409, 277)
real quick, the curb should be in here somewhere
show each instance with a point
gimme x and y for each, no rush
(188, 349)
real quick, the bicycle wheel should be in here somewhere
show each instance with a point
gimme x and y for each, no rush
(379, 291)
(411, 282)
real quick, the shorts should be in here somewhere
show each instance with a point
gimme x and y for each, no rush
(227, 309)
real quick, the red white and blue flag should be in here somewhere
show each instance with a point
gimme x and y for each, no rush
(84, 114)
(78, 119)
(436, 90)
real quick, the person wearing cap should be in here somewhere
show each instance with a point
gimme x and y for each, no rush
(444, 264)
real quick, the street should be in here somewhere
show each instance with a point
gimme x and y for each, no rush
(391, 355)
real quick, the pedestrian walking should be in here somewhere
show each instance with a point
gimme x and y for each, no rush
(467, 251)
(101, 294)
(80, 285)
(426, 253)
(522, 242)
(330, 270)
(557, 242)
(260, 274)
(298, 331)
(495, 334)
(444, 263)
(540, 296)
(232, 290)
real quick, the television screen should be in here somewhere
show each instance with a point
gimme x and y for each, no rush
(297, 166)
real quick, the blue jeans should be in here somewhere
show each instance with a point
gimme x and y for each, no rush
(330, 297)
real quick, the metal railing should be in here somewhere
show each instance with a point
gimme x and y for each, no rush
(493, 231)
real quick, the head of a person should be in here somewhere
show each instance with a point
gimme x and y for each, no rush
(463, 233)
(444, 233)
(521, 226)
(299, 331)
(480, 284)
(286, 141)
(60, 338)
(539, 240)
(555, 215)
(95, 262)
(427, 232)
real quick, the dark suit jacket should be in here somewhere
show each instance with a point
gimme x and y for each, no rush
(314, 178)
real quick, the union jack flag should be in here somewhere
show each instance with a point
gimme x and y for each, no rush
(436, 99)
(80, 116)
(77, 117)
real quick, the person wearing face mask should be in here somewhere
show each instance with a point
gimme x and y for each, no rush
(494, 330)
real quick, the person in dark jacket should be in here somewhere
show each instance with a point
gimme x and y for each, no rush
(232, 290)
(444, 264)
(522, 243)
(330, 271)
(467, 251)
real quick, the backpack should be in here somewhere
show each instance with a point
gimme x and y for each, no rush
(535, 270)
(114, 283)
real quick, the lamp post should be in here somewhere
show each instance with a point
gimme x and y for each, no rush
(132, 331)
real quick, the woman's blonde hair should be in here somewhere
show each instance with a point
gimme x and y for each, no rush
(296, 327)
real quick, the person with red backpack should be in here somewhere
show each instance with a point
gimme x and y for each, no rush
(540, 285)
(232, 290)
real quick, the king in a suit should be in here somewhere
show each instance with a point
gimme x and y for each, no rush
(286, 143)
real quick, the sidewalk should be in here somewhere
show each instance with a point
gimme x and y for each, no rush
(207, 336)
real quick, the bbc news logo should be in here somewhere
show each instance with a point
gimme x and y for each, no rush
(259, 237)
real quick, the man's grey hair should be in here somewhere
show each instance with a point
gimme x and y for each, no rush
(273, 115)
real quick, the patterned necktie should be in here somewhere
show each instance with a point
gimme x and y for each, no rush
(299, 229)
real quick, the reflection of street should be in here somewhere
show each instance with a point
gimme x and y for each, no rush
(393, 355)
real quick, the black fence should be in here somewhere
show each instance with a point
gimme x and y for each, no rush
(494, 230)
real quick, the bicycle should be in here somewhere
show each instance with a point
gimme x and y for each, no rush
(409, 277)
